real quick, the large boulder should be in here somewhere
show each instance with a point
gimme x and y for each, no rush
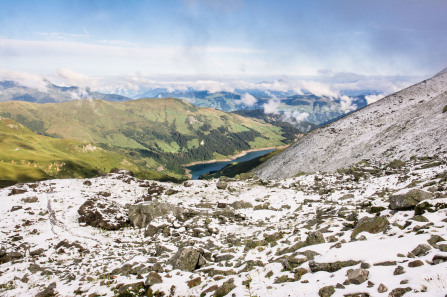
(140, 215)
(187, 259)
(408, 200)
(370, 225)
(103, 213)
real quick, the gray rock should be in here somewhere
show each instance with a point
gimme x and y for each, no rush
(241, 204)
(331, 267)
(187, 259)
(222, 185)
(382, 288)
(225, 288)
(437, 259)
(357, 276)
(398, 292)
(152, 279)
(48, 292)
(421, 250)
(194, 282)
(370, 225)
(326, 291)
(11, 256)
(434, 239)
(415, 263)
(399, 270)
(36, 252)
(33, 199)
(409, 199)
(314, 238)
(103, 213)
(140, 215)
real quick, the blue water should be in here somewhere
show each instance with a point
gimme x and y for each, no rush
(199, 169)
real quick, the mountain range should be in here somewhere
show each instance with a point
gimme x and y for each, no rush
(13, 91)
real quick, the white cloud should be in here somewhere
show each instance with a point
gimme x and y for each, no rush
(25, 79)
(373, 98)
(76, 79)
(295, 116)
(272, 107)
(346, 104)
(247, 100)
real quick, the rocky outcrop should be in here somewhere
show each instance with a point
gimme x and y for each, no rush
(188, 259)
(103, 213)
(370, 225)
(140, 215)
(408, 200)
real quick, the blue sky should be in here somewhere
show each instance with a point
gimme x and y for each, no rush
(224, 37)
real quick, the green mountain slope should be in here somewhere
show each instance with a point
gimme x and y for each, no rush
(27, 156)
(151, 132)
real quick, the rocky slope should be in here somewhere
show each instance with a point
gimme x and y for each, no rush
(410, 122)
(378, 229)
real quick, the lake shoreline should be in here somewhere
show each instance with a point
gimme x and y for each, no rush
(241, 154)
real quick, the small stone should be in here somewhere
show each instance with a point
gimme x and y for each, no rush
(386, 263)
(370, 284)
(398, 292)
(48, 292)
(382, 288)
(339, 286)
(415, 263)
(152, 279)
(194, 282)
(357, 276)
(399, 270)
(222, 185)
(326, 291)
(33, 199)
(404, 282)
(225, 288)
(365, 265)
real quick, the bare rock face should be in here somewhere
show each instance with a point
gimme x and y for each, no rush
(103, 213)
(409, 199)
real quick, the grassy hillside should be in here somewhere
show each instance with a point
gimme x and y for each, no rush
(151, 132)
(27, 156)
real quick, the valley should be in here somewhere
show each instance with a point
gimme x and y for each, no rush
(155, 135)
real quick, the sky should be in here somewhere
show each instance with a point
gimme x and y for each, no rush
(216, 39)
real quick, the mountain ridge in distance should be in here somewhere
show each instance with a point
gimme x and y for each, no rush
(13, 91)
(156, 134)
(408, 123)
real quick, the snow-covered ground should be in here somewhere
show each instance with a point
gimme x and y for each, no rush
(243, 238)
